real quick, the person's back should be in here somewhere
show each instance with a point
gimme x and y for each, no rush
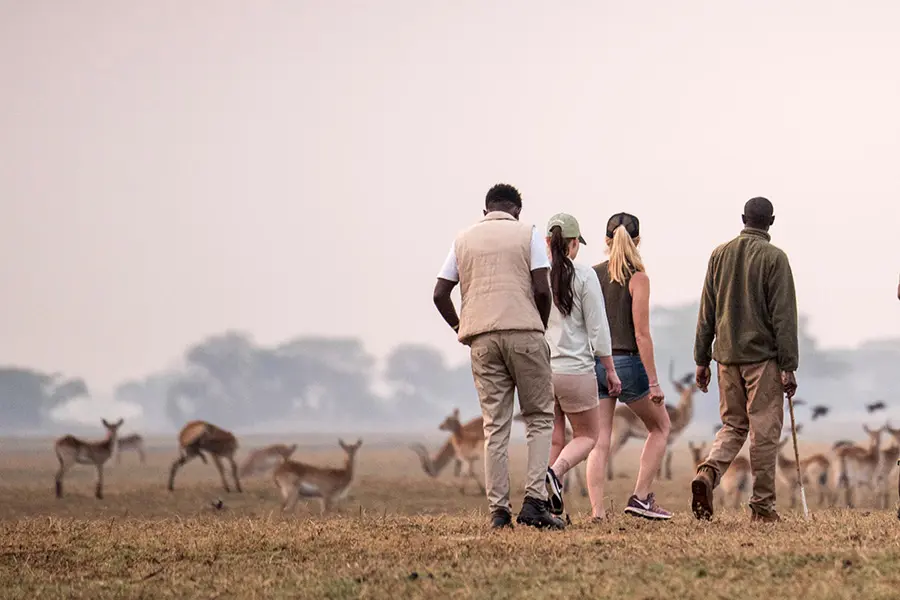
(619, 308)
(753, 319)
(494, 263)
(571, 350)
(749, 308)
(502, 268)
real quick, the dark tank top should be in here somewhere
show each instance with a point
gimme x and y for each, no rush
(618, 311)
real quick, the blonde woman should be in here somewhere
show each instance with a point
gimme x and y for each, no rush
(626, 292)
(577, 333)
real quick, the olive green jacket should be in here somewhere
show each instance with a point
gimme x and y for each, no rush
(748, 305)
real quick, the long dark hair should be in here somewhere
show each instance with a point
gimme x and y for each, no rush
(562, 272)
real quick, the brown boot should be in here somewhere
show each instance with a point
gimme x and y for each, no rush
(702, 494)
(763, 515)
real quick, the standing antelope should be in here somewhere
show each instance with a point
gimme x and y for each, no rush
(467, 446)
(627, 425)
(813, 470)
(263, 459)
(889, 458)
(735, 482)
(130, 442)
(71, 451)
(199, 436)
(296, 479)
(856, 466)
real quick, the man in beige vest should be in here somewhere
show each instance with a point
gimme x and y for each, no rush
(503, 272)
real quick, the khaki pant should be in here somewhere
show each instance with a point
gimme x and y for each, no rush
(504, 362)
(751, 399)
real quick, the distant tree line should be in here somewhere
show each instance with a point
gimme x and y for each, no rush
(322, 381)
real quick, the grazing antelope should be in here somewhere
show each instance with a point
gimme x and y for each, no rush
(855, 466)
(71, 451)
(296, 479)
(198, 437)
(130, 442)
(576, 469)
(627, 425)
(736, 481)
(813, 469)
(263, 459)
(434, 466)
(467, 446)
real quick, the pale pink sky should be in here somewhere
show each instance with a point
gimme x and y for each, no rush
(172, 169)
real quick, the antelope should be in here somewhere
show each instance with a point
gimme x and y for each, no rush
(434, 466)
(130, 442)
(813, 470)
(735, 482)
(889, 458)
(197, 437)
(261, 460)
(856, 466)
(467, 446)
(296, 479)
(71, 451)
(576, 469)
(627, 425)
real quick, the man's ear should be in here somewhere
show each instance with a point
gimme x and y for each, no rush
(485, 212)
(772, 221)
(744, 219)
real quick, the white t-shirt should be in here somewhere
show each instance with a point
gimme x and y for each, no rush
(539, 259)
(576, 339)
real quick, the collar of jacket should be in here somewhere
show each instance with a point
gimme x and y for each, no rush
(756, 233)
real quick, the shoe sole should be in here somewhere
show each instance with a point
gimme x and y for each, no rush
(701, 503)
(539, 524)
(646, 514)
(554, 495)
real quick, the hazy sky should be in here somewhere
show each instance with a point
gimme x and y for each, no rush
(171, 169)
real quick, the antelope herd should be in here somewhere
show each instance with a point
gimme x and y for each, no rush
(834, 478)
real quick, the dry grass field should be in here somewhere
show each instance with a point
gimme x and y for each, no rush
(400, 534)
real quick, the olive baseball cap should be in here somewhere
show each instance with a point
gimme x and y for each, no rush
(631, 223)
(568, 224)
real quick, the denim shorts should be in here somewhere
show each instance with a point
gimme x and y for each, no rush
(630, 369)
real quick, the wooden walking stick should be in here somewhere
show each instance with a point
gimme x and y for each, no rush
(797, 457)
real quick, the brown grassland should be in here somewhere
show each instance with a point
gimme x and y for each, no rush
(400, 534)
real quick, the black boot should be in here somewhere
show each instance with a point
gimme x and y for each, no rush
(501, 518)
(534, 513)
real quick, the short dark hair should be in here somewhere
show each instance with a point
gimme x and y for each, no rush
(503, 194)
(758, 212)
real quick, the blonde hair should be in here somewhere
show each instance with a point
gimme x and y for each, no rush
(624, 257)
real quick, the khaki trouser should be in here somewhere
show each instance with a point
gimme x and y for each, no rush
(504, 362)
(751, 399)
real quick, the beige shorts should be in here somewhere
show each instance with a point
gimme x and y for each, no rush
(575, 393)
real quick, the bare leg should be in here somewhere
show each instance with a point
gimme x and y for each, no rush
(558, 441)
(585, 431)
(656, 419)
(596, 462)
(618, 439)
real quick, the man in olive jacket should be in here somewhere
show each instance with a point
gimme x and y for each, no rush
(749, 306)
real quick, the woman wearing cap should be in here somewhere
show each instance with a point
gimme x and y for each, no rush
(626, 291)
(577, 333)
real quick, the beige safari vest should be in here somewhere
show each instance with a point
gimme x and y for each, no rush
(494, 261)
